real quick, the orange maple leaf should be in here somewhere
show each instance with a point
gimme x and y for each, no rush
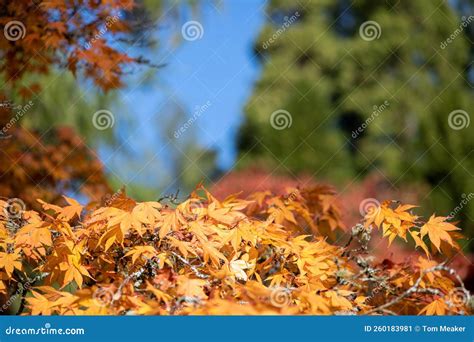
(438, 230)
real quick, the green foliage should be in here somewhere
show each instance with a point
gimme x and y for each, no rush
(321, 70)
(63, 102)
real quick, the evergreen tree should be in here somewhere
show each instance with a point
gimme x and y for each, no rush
(368, 86)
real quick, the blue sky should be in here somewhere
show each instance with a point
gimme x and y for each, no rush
(220, 68)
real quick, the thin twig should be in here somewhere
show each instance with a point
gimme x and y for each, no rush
(415, 288)
(198, 273)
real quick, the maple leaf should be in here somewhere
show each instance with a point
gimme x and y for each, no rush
(419, 242)
(191, 288)
(146, 252)
(226, 215)
(147, 212)
(338, 300)
(114, 234)
(424, 265)
(238, 267)
(74, 273)
(437, 307)
(167, 261)
(160, 295)
(33, 238)
(9, 262)
(279, 212)
(192, 208)
(39, 304)
(260, 196)
(65, 213)
(125, 220)
(241, 233)
(183, 246)
(46, 300)
(438, 230)
(73, 209)
(394, 222)
(213, 254)
(318, 304)
(171, 222)
(65, 264)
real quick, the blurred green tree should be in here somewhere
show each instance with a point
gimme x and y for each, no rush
(64, 102)
(352, 87)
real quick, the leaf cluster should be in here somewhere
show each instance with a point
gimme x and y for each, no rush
(266, 254)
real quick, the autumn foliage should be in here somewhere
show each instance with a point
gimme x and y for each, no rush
(42, 34)
(32, 167)
(38, 37)
(266, 254)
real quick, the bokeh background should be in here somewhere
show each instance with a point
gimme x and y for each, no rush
(373, 97)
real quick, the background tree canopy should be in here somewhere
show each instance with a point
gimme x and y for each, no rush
(63, 68)
(360, 101)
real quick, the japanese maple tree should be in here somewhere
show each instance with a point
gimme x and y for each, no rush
(265, 254)
(39, 36)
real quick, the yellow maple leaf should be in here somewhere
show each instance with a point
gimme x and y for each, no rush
(171, 222)
(64, 213)
(419, 241)
(139, 251)
(10, 262)
(193, 288)
(438, 230)
(437, 307)
(147, 212)
(238, 267)
(126, 221)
